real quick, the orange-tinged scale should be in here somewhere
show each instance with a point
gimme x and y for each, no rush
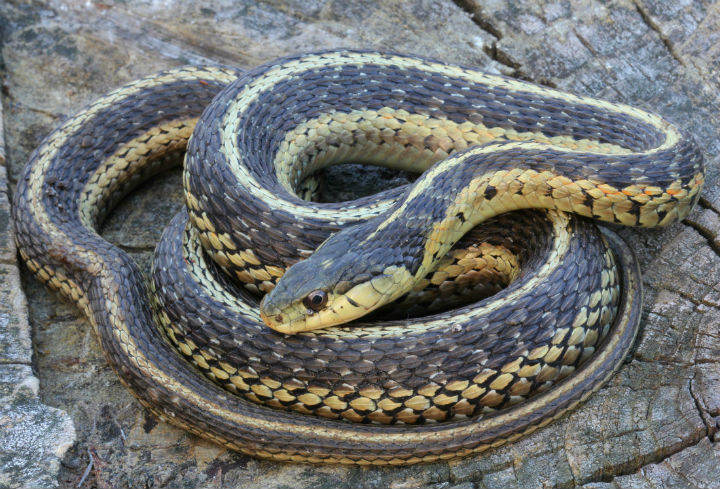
(595, 193)
(214, 241)
(221, 259)
(617, 198)
(542, 176)
(642, 198)
(527, 175)
(607, 189)
(559, 181)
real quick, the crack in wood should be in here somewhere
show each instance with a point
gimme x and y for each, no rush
(706, 204)
(493, 50)
(478, 18)
(53, 115)
(648, 20)
(712, 423)
(586, 43)
(640, 468)
(688, 297)
(707, 233)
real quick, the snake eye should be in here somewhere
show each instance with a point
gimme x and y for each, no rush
(316, 300)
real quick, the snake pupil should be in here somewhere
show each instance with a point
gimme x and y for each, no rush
(316, 300)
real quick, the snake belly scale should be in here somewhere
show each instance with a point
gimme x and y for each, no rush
(255, 143)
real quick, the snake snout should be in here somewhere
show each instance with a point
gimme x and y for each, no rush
(270, 314)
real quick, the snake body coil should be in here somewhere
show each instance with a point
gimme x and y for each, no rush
(517, 361)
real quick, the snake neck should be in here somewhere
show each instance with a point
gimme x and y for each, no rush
(370, 265)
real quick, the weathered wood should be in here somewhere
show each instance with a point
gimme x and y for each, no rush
(654, 425)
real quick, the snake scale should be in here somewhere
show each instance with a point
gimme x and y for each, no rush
(451, 384)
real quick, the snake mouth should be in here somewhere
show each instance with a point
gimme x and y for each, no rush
(270, 315)
(266, 319)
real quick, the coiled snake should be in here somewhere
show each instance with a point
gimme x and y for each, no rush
(488, 373)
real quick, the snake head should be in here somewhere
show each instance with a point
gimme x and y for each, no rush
(333, 286)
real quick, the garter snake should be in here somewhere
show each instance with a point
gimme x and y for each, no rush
(257, 140)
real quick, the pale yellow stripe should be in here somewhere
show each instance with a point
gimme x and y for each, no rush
(251, 92)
